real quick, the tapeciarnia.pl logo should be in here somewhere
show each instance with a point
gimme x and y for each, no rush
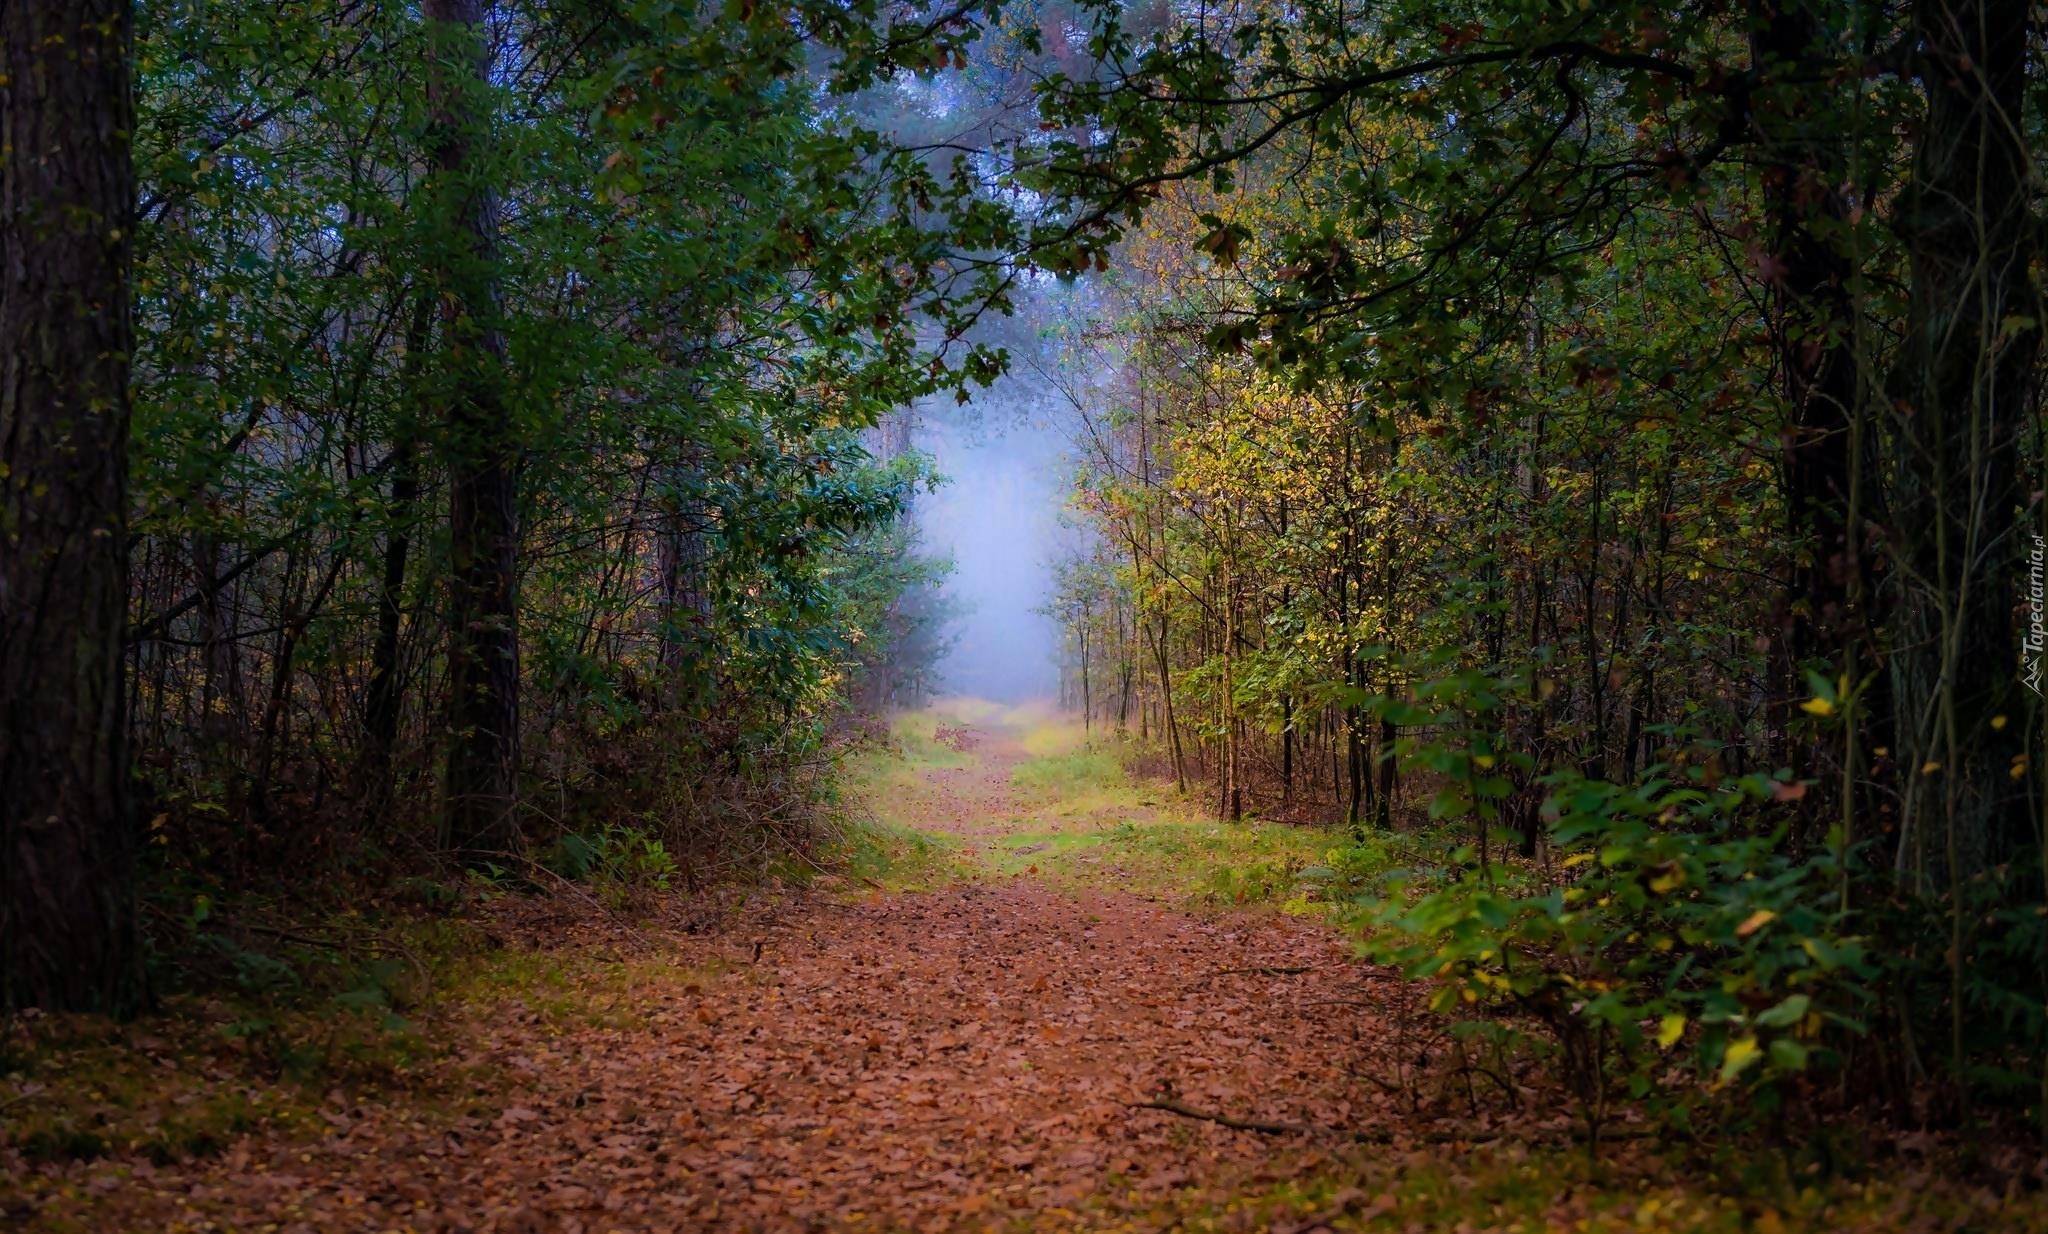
(2037, 617)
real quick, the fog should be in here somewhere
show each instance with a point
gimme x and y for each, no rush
(1006, 458)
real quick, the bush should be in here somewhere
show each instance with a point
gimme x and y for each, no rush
(1671, 926)
(618, 859)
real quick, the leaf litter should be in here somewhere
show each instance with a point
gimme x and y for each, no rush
(993, 1055)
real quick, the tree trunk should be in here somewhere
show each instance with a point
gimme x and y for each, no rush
(1814, 332)
(68, 936)
(483, 517)
(1963, 392)
(381, 710)
(1180, 774)
(686, 598)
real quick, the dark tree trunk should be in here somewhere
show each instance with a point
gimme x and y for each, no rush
(381, 709)
(1180, 775)
(483, 516)
(1388, 773)
(68, 937)
(686, 596)
(1825, 475)
(1964, 395)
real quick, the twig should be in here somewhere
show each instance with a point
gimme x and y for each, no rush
(1224, 1120)
(533, 865)
(19, 1098)
(289, 937)
(805, 858)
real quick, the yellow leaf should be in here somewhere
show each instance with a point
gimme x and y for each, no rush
(1756, 921)
(1929, 767)
(1742, 1053)
(1997, 723)
(1670, 1030)
(1817, 707)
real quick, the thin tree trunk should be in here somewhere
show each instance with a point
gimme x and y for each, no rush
(68, 931)
(1180, 775)
(380, 713)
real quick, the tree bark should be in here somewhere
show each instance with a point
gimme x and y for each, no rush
(381, 709)
(1963, 396)
(68, 934)
(483, 517)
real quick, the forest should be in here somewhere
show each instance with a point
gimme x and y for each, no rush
(1557, 523)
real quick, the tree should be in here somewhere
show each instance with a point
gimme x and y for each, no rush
(482, 442)
(68, 938)
(1964, 390)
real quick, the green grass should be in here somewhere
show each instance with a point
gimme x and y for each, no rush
(1205, 863)
(1070, 774)
(891, 857)
(881, 774)
(915, 734)
(1521, 1190)
(189, 1080)
(76, 1088)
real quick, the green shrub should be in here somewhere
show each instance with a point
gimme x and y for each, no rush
(1671, 924)
(619, 860)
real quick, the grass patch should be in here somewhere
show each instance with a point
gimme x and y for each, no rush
(1070, 774)
(915, 736)
(187, 1082)
(190, 1079)
(887, 773)
(894, 858)
(1222, 864)
(1516, 1189)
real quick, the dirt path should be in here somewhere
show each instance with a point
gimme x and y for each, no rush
(966, 1058)
(993, 1054)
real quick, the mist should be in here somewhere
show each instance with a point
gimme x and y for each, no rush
(1006, 457)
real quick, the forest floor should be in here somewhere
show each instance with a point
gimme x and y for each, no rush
(1035, 1000)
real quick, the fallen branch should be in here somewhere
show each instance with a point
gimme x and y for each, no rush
(1377, 1135)
(1223, 1120)
(304, 940)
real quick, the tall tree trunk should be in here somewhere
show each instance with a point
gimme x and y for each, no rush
(1814, 331)
(1964, 394)
(381, 709)
(483, 517)
(68, 936)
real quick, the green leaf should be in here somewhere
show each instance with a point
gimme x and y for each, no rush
(1789, 1055)
(1786, 1013)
